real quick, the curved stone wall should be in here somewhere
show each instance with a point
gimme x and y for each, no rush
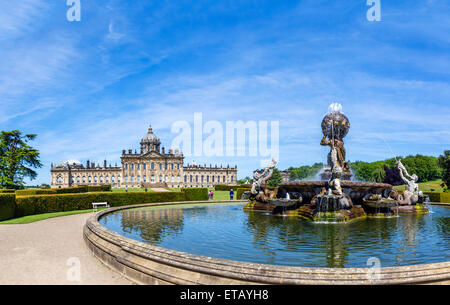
(147, 264)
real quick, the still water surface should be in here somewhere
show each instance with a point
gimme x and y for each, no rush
(225, 231)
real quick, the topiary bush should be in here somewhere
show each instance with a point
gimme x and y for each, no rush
(30, 192)
(241, 191)
(99, 188)
(7, 206)
(194, 194)
(223, 187)
(7, 191)
(39, 204)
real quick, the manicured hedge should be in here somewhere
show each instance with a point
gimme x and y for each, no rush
(194, 194)
(7, 206)
(6, 191)
(438, 197)
(241, 191)
(30, 205)
(223, 187)
(29, 192)
(99, 188)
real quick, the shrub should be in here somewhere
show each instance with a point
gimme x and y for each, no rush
(7, 206)
(241, 191)
(6, 191)
(99, 188)
(72, 190)
(438, 197)
(194, 194)
(30, 192)
(223, 187)
(38, 204)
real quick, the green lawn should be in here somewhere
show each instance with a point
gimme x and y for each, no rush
(38, 217)
(429, 186)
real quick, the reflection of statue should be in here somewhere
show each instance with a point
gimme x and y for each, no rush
(260, 178)
(411, 193)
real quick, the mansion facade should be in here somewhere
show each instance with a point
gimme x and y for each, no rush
(152, 166)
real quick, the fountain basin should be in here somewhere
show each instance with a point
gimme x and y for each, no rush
(147, 263)
(356, 190)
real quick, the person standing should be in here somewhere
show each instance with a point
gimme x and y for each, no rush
(126, 188)
(212, 194)
(231, 194)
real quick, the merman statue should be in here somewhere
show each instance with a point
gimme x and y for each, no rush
(260, 178)
(411, 193)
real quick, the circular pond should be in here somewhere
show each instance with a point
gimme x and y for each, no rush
(225, 231)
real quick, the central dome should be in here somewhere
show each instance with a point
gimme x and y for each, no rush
(150, 137)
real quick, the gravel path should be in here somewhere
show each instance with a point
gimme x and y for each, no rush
(49, 252)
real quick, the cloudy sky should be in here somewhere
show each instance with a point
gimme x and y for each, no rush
(90, 89)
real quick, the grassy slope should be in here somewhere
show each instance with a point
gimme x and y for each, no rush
(426, 186)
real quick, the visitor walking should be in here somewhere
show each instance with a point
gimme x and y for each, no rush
(126, 188)
(211, 194)
(231, 194)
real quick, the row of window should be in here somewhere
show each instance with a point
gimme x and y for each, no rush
(138, 166)
(132, 178)
(152, 178)
(202, 179)
(78, 179)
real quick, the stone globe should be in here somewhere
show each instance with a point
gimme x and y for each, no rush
(335, 124)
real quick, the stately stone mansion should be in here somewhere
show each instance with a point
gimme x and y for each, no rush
(151, 167)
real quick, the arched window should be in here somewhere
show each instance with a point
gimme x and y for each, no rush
(78, 179)
(112, 178)
(145, 177)
(84, 179)
(153, 165)
(95, 179)
(107, 179)
(132, 166)
(89, 179)
(126, 166)
(60, 179)
(160, 178)
(152, 178)
(101, 179)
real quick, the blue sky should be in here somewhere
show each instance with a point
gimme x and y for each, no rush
(90, 89)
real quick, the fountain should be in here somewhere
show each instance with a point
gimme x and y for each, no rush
(334, 198)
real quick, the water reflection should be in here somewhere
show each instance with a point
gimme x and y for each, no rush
(225, 231)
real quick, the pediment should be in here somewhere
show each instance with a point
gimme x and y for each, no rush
(152, 154)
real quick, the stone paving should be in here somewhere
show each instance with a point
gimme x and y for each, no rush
(49, 251)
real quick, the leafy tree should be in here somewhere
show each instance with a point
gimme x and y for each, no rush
(246, 179)
(276, 178)
(17, 158)
(378, 174)
(444, 162)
